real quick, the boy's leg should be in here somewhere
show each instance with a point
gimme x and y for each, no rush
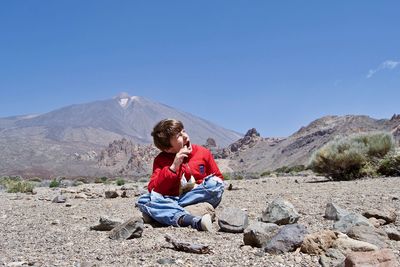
(210, 191)
(164, 210)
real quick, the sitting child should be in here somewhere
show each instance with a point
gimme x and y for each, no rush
(183, 174)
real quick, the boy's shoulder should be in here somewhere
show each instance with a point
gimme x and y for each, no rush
(164, 155)
(199, 148)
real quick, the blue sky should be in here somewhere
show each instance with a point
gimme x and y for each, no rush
(272, 65)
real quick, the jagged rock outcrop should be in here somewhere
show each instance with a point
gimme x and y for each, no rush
(126, 158)
(251, 138)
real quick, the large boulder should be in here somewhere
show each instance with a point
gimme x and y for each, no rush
(258, 233)
(280, 212)
(287, 239)
(233, 220)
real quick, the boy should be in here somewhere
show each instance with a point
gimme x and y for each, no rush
(183, 174)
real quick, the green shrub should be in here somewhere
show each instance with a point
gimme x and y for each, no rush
(15, 184)
(20, 186)
(352, 157)
(238, 177)
(390, 164)
(376, 144)
(227, 176)
(283, 169)
(54, 183)
(266, 173)
(101, 180)
(292, 169)
(120, 181)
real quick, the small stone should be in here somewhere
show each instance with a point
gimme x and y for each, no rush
(166, 261)
(133, 228)
(279, 259)
(60, 199)
(111, 194)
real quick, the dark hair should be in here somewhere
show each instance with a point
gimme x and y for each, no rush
(164, 130)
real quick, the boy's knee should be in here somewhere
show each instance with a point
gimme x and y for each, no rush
(143, 199)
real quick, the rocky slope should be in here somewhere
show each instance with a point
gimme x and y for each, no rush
(37, 232)
(253, 153)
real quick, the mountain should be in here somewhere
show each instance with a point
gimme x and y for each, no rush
(253, 153)
(67, 141)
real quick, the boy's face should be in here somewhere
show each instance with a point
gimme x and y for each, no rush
(179, 141)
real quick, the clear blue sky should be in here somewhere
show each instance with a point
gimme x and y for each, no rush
(272, 65)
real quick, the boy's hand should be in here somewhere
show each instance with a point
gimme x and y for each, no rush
(179, 157)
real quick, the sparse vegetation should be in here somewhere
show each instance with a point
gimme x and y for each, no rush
(227, 176)
(293, 169)
(15, 184)
(54, 183)
(240, 176)
(101, 180)
(120, 181)
(352, 157)
(266, 173)
(390, 164)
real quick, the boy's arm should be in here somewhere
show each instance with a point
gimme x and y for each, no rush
(213, 165)
(162, 179)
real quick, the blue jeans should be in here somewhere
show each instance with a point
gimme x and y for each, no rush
(168, 209)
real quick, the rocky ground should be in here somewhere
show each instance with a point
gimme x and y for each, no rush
(37, 232)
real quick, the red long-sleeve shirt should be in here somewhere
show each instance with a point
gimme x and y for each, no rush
(199, 164)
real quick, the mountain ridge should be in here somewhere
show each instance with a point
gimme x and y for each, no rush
(47, 143)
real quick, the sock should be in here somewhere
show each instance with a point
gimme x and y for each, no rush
(186, 220)
(196, 223)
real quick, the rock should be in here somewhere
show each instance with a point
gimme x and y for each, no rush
(332, 258)
(166, 261)
(233, 220)
(334, 212)
(200, 209)
(106, 224)
(380, 258)
(350, 220)
(129, 193)
(346, 244)
(392, 233)
(368, 234)
(318, 243)
(280, 212)
(59, 199)
(287, 239)
(81, 196)
(258, 233)
(17, 264)
(376, 222)
(133, 228)
(389, 215)
(111, 194)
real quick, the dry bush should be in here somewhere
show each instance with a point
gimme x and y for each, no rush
(352, 157)
(390, 164)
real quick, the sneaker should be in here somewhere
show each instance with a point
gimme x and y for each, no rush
(206, 223)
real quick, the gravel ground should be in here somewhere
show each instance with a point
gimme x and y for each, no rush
(37, 232)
